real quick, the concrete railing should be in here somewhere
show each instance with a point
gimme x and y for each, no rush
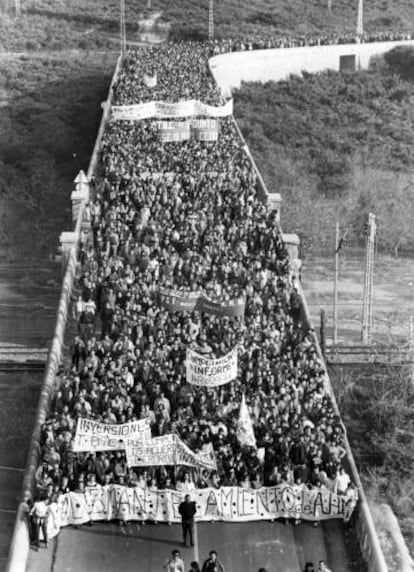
(230, 70)
(20, 544)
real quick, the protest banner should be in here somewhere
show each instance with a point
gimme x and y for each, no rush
(205, 129)
(168, 450)
(210, 372)
(233, 307)
(229, 504)
(165, 110)
(174, 131)
(176, 300)
(94, 436)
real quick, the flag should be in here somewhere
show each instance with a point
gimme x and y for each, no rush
(245, 433)
(150, 80)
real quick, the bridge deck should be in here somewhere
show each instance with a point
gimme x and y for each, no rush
(242, 547)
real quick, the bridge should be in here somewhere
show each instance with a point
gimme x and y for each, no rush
(135, 547)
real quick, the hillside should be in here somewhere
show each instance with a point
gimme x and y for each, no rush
(334, 145)
(50, 112)
(56, 24)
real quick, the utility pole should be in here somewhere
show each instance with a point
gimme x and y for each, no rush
(122, 27)
(411, 348)
(371, 229)
(211, 19)
(336, 275)
(360, 19)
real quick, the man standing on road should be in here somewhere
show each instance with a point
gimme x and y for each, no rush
(175, 563)
(39, 515)
(323, 567)
(212, 564)
(187, 509)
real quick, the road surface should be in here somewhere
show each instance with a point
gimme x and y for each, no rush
(242, 547)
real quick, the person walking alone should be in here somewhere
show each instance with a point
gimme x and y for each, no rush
(187, 510)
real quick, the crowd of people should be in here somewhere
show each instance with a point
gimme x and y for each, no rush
(201, 228)
(326, 39)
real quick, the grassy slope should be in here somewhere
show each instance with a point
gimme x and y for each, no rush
(338, 142)
(75, 23)
(49, 116)
(376, 407)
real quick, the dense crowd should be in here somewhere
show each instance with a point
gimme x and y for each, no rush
(201, 228)
(311, 39)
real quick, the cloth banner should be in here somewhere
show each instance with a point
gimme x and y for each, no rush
(229, 504)
(168, 450)
(174, 131)
(210, 372)
(176, 300)
(205, 129)
(164, 110)
(245, 432)
(94, 436)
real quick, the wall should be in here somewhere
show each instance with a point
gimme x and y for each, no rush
(229, 70)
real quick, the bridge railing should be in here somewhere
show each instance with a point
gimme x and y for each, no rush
(20, 544)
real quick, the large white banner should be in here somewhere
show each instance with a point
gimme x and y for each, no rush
(94, 436)
(168, 450)
(230, 504)
(208, 372)
(163, 110)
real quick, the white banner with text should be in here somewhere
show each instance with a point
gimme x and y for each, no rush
(164, 110)
(210, 372)
(169, 450)
(230, 504)
(95, 436)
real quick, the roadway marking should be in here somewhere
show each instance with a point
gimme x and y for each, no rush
(7, 510)
(196, 551)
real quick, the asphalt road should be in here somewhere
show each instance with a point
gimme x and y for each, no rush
(242, 547)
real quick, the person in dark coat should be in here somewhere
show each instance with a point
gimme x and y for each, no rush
(187, 509)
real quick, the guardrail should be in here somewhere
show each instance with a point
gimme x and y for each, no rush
(20, 544)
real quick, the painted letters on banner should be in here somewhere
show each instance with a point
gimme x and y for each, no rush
(163, 110)
(205, 129)
(230, 504)
(208, 372)
(94, 436)
(175, 301)
(168, 450)
(174, 131)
